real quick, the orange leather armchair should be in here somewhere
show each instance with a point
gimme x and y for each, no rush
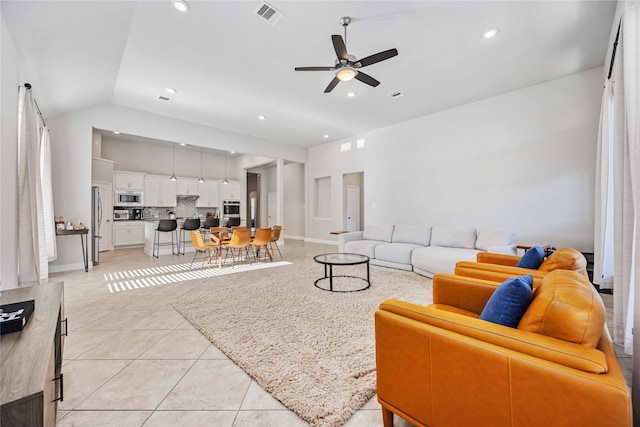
(499, 267)
(440, 365)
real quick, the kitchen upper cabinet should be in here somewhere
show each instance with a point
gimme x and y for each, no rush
(128, 180)
(187, 186)
(129, 233)
(159, 191)
(230, 191)
(209, 195)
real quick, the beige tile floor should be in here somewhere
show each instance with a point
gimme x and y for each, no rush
(131, 360)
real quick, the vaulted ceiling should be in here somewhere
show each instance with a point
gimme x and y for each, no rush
(230, 66)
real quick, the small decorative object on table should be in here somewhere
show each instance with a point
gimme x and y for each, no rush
(14, 317)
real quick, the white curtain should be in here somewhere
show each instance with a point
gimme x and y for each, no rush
(617, 213)
(33, 154)
(47, 196)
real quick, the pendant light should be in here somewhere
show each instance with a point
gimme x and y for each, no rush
(226, 181)
(173, 175)
(201, 177)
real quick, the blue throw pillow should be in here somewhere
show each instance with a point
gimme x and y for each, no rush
(509, 301)
(532, 258)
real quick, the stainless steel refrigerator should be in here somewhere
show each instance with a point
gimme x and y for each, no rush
(96, 222)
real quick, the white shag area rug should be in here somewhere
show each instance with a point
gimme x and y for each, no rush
(313, 350)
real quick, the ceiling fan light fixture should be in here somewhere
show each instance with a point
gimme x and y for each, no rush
(346, 73)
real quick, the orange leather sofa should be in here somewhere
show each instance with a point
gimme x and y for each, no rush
(440, 365)
(499, 267)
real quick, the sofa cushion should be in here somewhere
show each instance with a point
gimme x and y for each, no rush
(362, 247)
(416, 234)
(381, 233)
(566, 259)
(395, 252)
(509, 301)
(438, 259)
(454, 237)
(488, 237)
(566, 306)
(532, 258)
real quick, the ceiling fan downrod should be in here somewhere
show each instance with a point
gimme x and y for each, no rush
(345, 21)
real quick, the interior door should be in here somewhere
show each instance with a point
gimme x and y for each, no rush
(106, 198)
(353, 208)
(272, 208)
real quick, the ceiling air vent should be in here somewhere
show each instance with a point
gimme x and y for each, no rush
(164, 98)
(268, 13)
(396, 94)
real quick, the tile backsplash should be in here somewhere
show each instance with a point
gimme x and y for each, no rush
(186, 208)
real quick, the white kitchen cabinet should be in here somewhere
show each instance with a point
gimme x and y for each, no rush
(128, 233)
(128, 180)
(187, 186)
(159, 191)
(209, 194)
(230, 191)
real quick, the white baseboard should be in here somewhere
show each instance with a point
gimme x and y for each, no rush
(324, 242)
(67, 267)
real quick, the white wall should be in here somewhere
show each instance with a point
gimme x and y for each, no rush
(523, 160)
(71, 137)
(9, 82)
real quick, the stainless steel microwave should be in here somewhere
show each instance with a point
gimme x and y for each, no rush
(129, 198)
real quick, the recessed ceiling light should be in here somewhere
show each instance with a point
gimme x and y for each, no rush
(262, 117)
(351, 94)
(232, 152)
(491, 32)
(171, 90)
(181, 5)
(183, 144)
(326, 136)
(116, 132)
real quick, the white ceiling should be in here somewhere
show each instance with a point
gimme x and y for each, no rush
(230, 66)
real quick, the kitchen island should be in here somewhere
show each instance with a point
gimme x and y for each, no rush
(149, 231)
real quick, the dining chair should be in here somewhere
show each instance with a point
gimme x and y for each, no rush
(261, 240)
(240, 240)
(218, 237)
(200, 246)
(275, 236)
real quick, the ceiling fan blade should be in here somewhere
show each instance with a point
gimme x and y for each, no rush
(333, 84)
(377, 57)
(339, 46)
(366, 78)
(315, 68)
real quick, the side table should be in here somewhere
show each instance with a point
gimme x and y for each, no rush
(83, 241)
(547, 248)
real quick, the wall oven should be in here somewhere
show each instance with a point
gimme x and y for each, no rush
(231, 208)
(129, 198)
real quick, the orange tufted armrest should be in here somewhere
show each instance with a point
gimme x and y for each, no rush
(567, 307)
(565, 259)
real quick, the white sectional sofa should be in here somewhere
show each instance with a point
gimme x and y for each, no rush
(424, 249)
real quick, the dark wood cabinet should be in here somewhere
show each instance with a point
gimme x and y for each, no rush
(31, 381)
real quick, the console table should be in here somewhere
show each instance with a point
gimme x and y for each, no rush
(31, 361)
(83, 241)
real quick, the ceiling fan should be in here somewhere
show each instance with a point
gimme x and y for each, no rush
(347, 66)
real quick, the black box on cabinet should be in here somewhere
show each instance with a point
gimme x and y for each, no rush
(14, 317)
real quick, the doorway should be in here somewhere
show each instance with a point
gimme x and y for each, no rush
(253, 200)
(353, 201)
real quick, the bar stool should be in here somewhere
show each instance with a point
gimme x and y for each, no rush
(190, 224)
(211, 222)
(165, 226)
